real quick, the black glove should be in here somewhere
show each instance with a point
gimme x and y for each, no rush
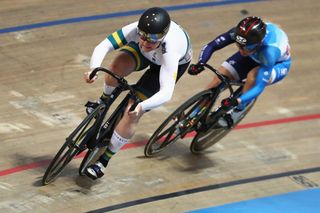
(195, 69)
(229, 103)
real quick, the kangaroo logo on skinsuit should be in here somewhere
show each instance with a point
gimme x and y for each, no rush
(241, 40)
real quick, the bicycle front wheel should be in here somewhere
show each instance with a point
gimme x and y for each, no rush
(205, 139)
(74, 144)
(179, 123)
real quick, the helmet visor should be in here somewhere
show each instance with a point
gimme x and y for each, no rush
(152, 38)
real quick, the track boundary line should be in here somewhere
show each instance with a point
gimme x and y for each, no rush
(135, 144)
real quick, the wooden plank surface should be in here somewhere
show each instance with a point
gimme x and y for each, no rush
(42, 96)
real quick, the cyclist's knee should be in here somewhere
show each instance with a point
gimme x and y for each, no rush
(251, 77)
(226, 72)
(216, 81)
(123, 64)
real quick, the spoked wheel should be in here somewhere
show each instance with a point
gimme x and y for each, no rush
(206, 139)
(73, 145)
(179, 123)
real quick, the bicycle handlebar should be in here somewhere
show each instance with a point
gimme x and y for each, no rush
(223, 78)
(123, 84)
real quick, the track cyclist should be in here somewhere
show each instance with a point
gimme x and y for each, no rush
(263, 58)
(155, 41)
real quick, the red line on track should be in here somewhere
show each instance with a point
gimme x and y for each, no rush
(142, 143)
(278, 121)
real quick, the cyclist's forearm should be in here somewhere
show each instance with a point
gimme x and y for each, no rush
(156, 100)
(99, 53)
(167, 80)
(218, 43)
(251, 94)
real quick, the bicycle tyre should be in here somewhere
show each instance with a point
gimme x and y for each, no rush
(205, 139)
(169, 131)
(74, 144)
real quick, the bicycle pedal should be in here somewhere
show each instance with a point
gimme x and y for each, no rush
(91, 106)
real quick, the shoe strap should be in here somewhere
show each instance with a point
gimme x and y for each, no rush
(91, 104)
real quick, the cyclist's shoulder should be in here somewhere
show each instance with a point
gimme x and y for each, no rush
(273, 27)
(176, 35)
(176, 27)
(274, 44)
(130, 27)
(177, 42)
(275, 36)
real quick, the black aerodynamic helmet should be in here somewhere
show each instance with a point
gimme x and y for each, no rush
(250, 31)
(154, 24)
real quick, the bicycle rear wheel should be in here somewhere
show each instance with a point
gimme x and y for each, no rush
(205, 139)
(179, 123)
(74, 144)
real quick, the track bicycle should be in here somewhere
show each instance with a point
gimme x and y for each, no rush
(94, 132)
(199, 114)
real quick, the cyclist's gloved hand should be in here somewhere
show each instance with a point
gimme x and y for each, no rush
(229, 103)
(195, 69)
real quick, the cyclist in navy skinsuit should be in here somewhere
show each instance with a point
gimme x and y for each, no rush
(263, 59)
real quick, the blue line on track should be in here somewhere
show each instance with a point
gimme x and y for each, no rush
(119, 14)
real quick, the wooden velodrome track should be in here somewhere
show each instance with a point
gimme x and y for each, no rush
(275, 149)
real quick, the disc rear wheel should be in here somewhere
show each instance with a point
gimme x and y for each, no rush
(205, 139)
(182, 121)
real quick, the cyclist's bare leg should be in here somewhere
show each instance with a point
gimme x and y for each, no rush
(122, 65)
(216, 81)
(251, 79)
(126, 126)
